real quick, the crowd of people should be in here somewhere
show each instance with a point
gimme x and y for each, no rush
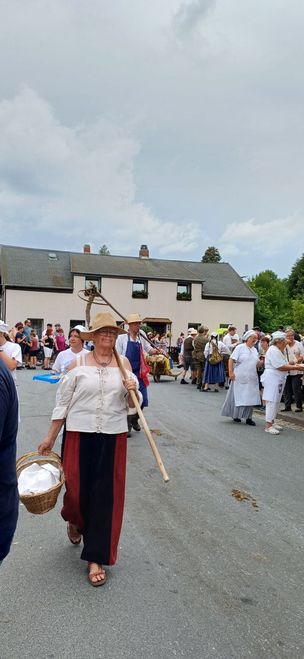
(34, 349)
(257, 369)
(102, 368)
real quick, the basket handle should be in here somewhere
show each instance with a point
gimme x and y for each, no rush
(52, 456)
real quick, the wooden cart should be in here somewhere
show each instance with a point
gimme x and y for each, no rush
(159, 366)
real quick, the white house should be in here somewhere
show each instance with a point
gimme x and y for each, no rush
(169, 295)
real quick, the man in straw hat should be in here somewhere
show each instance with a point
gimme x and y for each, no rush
(134, 346)
(93, 402)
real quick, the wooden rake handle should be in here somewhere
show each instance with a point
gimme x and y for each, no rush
(143, 420)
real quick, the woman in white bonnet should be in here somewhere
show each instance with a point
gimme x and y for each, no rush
(273, 379)
(243, 393)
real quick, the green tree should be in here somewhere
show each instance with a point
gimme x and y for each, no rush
(298, 315)
(296, 279)
(211, 255)
(103, 250)
(273, 307)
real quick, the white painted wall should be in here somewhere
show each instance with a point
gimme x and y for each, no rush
(161, 303)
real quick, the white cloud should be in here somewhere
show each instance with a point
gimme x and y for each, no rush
(268, 238)
(189, 15)
(154, 124)
(76, 183)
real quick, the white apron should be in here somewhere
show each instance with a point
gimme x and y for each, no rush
(273, 382)
(246, 383)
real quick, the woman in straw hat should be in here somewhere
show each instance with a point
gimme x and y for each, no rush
(133, 346)
(94, 402)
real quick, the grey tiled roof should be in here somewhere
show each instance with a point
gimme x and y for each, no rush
(34, 268)
(220, 279)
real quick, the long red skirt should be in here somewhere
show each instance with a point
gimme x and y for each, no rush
(95, 470)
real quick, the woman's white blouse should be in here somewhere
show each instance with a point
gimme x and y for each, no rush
(94, 400)
(274, 359)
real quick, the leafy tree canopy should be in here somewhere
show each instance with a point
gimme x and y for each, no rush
(211, 255)
(295, 280)
(298, 315)
(104, 251)
(273, 307)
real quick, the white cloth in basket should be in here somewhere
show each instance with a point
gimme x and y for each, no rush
(38, 478)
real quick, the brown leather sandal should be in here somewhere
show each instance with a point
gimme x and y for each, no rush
(93, 574)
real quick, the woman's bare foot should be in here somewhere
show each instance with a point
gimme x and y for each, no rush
(97, 575)
(73, 534)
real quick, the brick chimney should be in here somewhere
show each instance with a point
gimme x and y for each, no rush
(87, 249)
(143, 252)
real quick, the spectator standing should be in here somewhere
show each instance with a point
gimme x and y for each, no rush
(27, 328)
(186, 354)
(10, 353)
(199, 343)
(293, 385)
(34, 349)
(20, 338)
(231, 339)
(9, 499)
(180, 341)
(214, 368)
(65, 357)
(59, 341)
(48, 346)
(49, 326)
(263, 347)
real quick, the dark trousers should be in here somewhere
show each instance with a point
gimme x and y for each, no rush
(95, 469)
(199, 372)
(293, 388)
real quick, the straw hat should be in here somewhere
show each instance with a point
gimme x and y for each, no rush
(133, 318)
(102, 320)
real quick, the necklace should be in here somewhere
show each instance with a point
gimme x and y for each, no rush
(103, 364)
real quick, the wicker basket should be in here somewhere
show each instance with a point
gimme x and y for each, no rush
(43, 501)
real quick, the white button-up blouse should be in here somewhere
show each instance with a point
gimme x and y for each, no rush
(94, 399)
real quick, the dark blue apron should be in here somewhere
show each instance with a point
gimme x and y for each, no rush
(133, 355)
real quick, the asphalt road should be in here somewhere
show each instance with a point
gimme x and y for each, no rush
(200, 574)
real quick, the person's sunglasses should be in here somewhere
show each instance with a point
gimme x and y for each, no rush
(107, 332)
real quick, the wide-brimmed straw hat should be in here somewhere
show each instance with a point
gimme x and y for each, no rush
(133, 318)
(101, 321)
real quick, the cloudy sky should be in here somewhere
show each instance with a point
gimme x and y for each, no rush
(178, 124)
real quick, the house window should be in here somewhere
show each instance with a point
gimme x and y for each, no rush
(194, 325)
(37, 324)
(183, 291)
(73, 323)
(140, 288)
(96, 281)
